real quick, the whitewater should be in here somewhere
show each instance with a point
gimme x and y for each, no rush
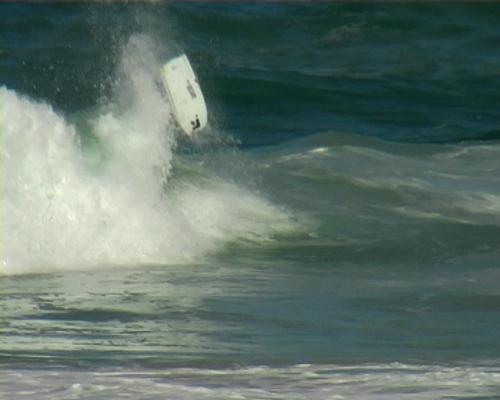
(333, 234)
(65, 207)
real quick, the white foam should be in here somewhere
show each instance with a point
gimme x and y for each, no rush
(363, 382)
(58, 214)
(487, 203)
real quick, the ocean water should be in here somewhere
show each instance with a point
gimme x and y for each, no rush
(333, 234)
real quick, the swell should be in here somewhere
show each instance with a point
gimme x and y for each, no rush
(388, 202)
(403, 73)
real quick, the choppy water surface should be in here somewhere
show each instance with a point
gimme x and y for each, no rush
(334, 234)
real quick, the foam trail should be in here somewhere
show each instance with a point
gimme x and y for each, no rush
(360, 382)
(59, 214)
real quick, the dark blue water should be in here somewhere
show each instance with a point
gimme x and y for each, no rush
(334, 233)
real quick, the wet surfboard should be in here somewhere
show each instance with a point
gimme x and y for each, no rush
(184, 94)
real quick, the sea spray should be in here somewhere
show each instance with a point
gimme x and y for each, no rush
(59, 214)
